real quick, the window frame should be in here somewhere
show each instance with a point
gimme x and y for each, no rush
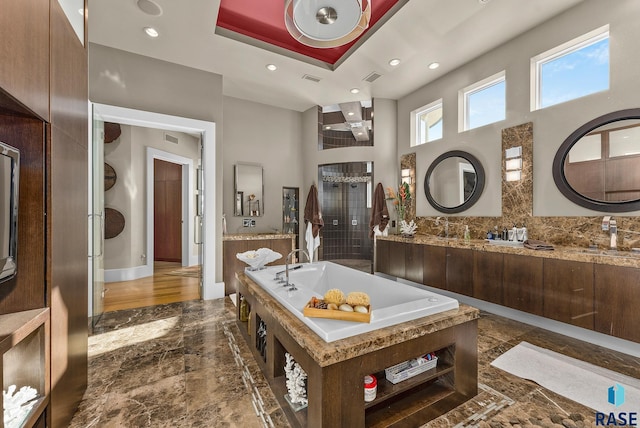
(479, 86)
(572, 46)
(415, 123)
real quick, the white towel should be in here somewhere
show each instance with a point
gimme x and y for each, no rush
(312, 243)
(377, 232)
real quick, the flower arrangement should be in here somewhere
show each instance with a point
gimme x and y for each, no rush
(401, 200)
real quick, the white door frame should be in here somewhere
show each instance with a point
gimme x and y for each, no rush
(187, 212)
(207, 130)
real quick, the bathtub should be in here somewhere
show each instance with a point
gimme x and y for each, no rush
(391, 302)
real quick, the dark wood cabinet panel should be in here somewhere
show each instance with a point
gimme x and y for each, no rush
(397, 259)
(522, 283)
(460, 271)
(67, 274)
(617, 299)
(487, 276)
(284, 247)
(435, 266)
(413, 268)
(26, 290)
(69, 78)
(382, 256)
(231, 264)
(24, 69)
(568, 292)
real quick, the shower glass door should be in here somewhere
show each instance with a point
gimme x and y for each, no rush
(96, 219)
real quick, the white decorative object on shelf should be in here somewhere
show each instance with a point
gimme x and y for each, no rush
(408, 229)
(296, 382)
(257, 259)
(17, 406)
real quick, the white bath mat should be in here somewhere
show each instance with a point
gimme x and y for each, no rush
(582, 382)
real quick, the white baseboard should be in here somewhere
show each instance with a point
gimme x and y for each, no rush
(127, 274)
(213, 291)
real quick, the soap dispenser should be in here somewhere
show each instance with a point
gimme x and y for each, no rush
(525, 234)
(513, 233)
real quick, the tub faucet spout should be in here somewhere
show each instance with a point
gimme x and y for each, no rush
(292, 287)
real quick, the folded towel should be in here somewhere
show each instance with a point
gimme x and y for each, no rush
(534, 244)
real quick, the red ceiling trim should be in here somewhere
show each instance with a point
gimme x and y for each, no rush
(266, 23)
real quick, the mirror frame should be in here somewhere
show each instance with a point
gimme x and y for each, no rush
(558, 165)
(477, 190)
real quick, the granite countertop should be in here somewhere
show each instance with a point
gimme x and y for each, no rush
(616, 258)
(256, 236)
(327, 353)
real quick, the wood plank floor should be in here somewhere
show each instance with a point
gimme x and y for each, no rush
(158, 289)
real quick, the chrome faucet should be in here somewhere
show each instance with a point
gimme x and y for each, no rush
(292, 287)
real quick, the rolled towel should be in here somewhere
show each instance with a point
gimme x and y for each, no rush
(534, 244)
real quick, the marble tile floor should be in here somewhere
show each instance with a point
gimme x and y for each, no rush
(186, 365)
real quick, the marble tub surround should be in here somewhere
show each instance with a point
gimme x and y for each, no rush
(517, 208)
(326, 354)
(208, 388)
(256, 236)
(617, 258)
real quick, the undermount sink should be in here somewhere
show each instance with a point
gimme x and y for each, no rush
(502, 243)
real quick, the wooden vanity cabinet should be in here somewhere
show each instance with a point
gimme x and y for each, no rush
(382, 256)
(460, 271)
(568, 292)
(434, 271)
(414, 262)
(487, 276)
(617, 301)
(522, 283)
(397, 259)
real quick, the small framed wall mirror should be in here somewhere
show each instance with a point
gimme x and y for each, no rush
(454, 182)
(598, 165)
(248, 190)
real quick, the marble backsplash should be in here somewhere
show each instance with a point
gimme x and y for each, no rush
(517, 206)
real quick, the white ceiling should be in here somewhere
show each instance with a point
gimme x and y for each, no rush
(451, 32)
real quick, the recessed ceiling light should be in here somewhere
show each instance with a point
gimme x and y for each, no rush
(271, 67)
(350, 113)
(354, 90)
(434, 65)
(394, 62)
(151, 32)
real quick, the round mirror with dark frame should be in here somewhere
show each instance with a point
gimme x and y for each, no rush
(598, 165)
(454, 182)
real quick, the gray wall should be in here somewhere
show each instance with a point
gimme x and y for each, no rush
(551, 125)
(272, 137)
(133, 81)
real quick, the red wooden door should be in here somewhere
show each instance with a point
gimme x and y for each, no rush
(167, 210)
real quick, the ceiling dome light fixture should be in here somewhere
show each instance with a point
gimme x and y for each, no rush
(326, 23)
(271, 67)
(394, 62)
(434, 65)
(151, 32)
(149, 7)
(354, 90)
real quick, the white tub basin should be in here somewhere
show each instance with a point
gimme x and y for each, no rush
(391, 302)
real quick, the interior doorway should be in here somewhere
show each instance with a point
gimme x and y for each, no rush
(167, 211)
